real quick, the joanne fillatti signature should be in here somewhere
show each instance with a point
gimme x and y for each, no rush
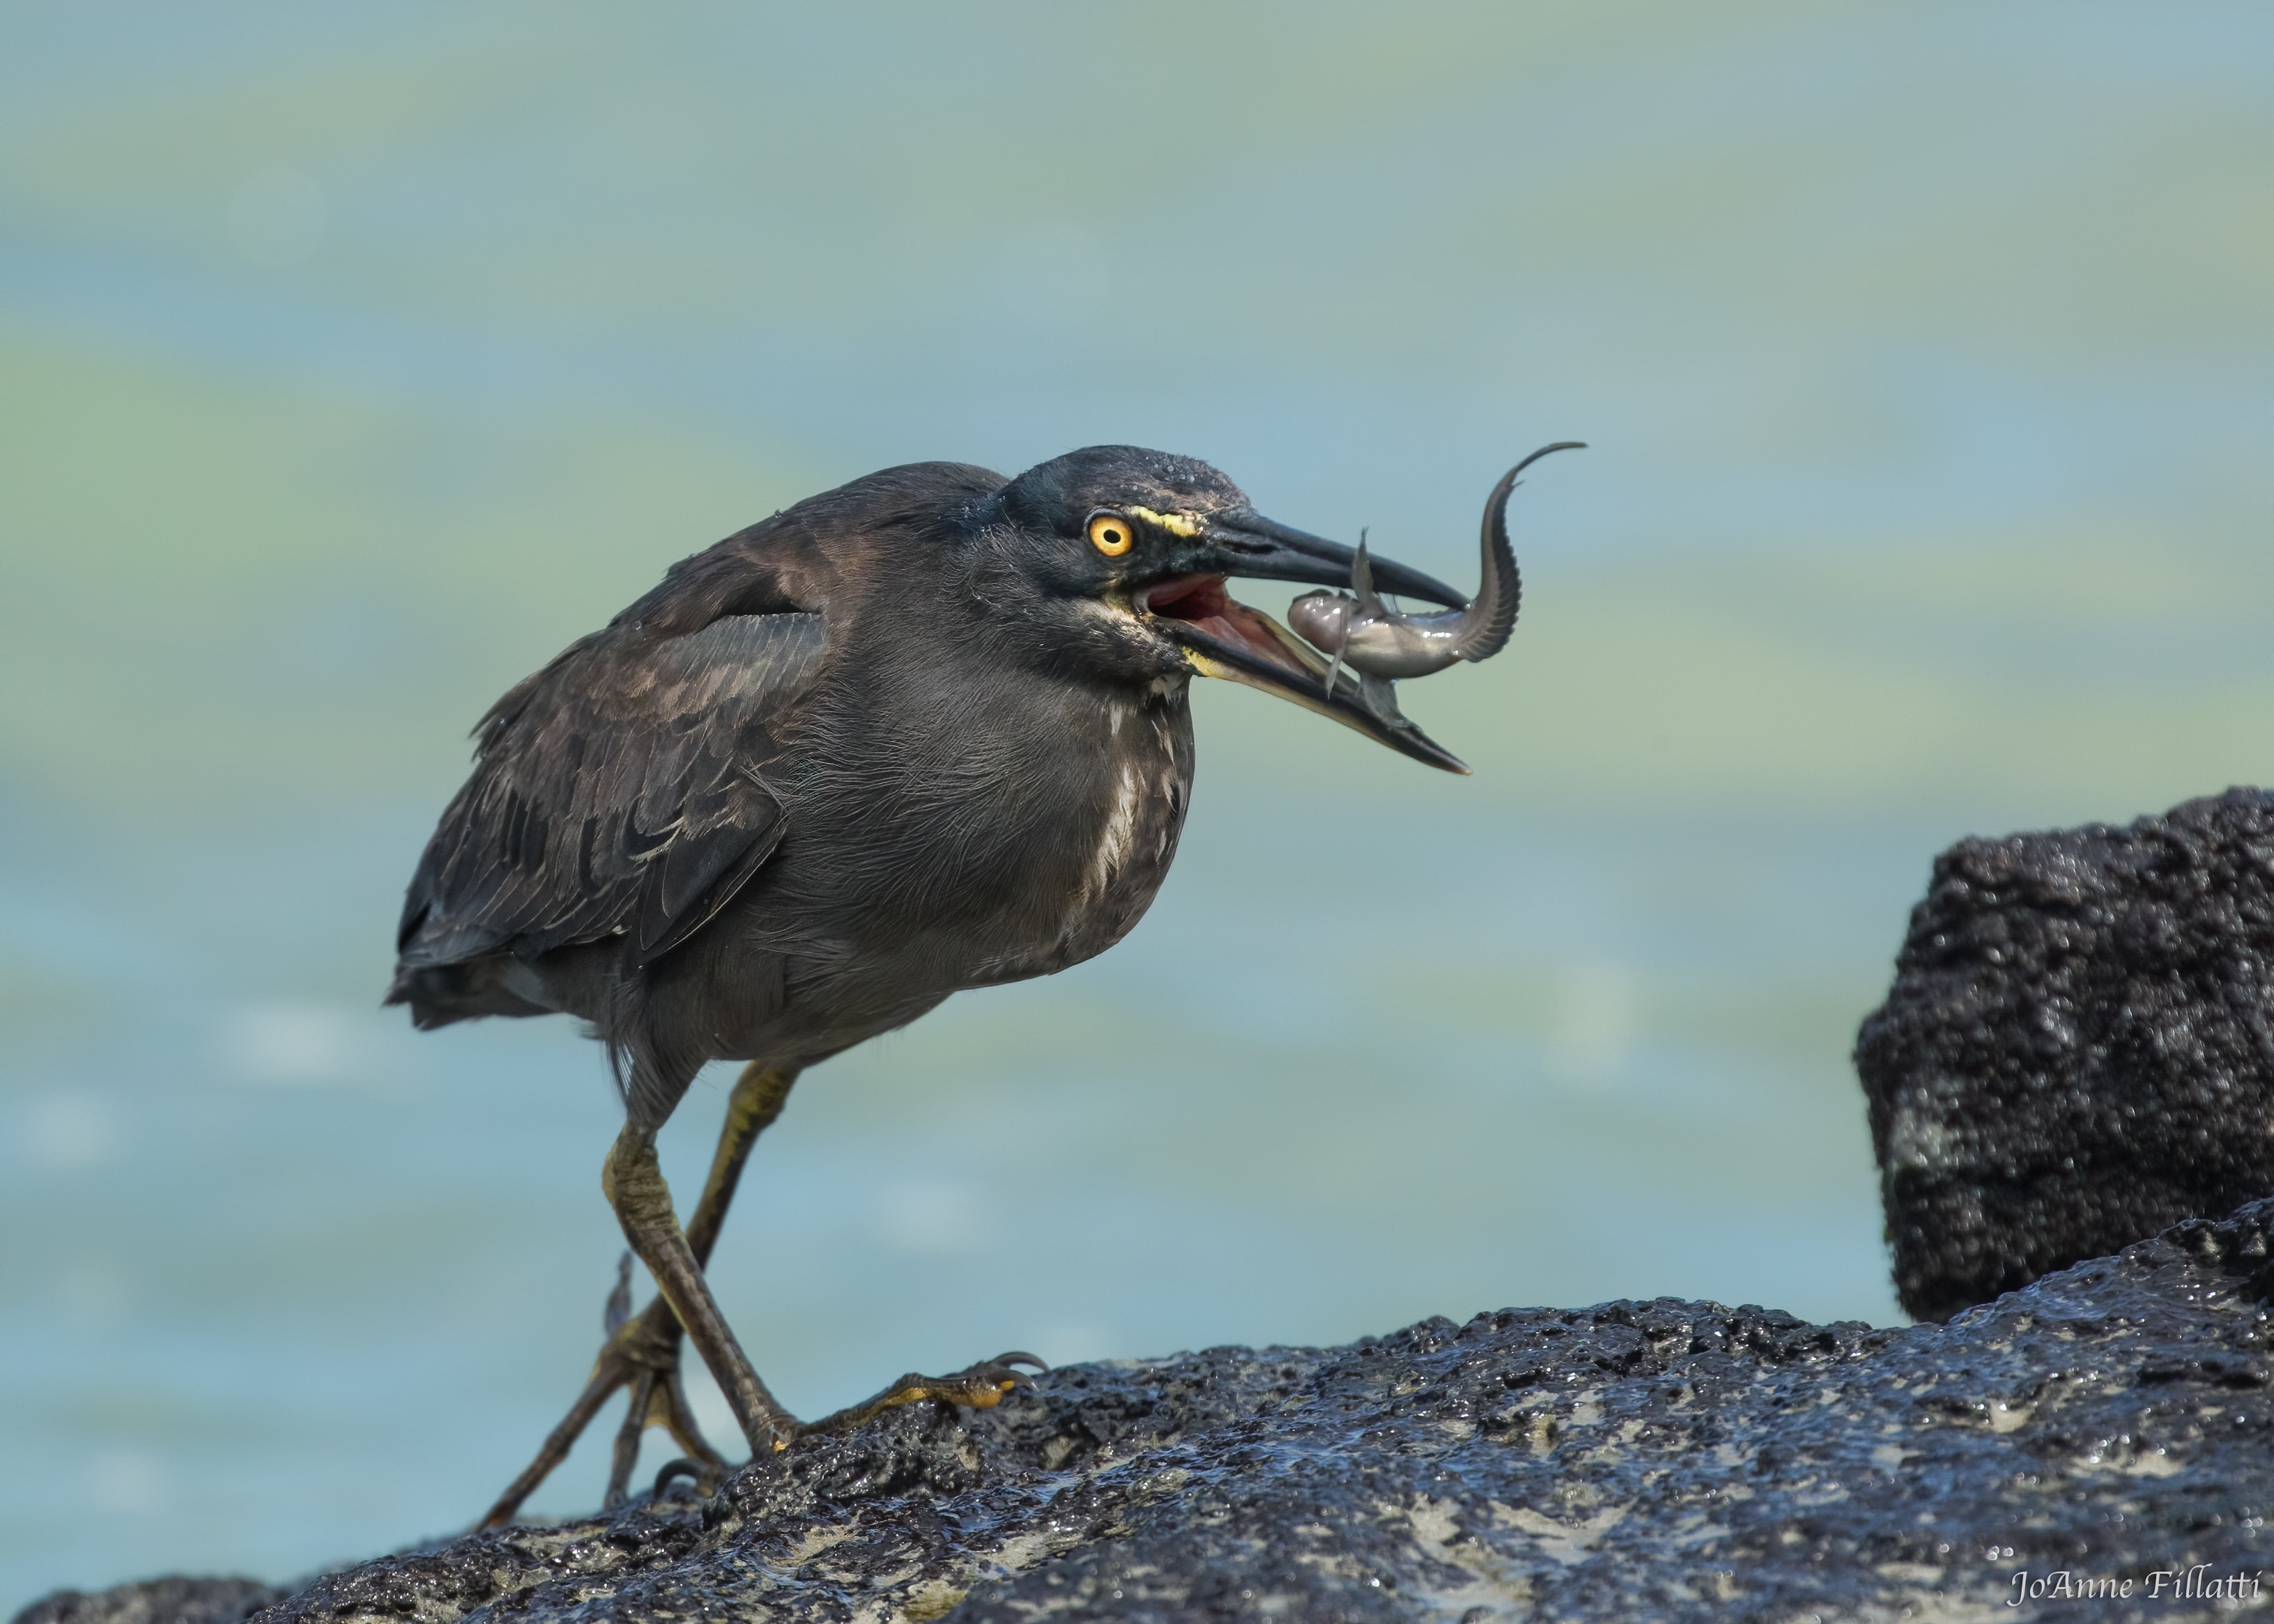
(2158, 1584)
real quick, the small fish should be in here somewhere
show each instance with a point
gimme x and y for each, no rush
(1381, 645)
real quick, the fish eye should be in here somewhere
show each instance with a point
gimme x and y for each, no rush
(1111, 534)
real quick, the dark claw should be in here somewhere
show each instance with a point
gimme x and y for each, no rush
(1000, 1374)
(1004, 1367)
(705, 1478)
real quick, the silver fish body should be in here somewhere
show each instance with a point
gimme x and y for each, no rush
(1383, 645)
(1373, 638)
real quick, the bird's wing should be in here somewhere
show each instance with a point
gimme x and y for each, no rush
(617, 793)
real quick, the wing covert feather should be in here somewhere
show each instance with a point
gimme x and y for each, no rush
(619, 791)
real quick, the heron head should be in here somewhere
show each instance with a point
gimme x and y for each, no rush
(1126, 552)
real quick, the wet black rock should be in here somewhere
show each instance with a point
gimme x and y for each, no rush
(1662, 1460)
(157, 1601)
(2078, 1048)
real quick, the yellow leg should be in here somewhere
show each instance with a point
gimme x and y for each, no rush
(643, 1353)
(634, 1184)
(759, 1096)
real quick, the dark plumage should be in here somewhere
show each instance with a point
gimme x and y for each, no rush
(926, 732)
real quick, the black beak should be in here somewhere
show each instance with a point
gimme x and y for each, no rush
(1245, 543)
(1221, 637)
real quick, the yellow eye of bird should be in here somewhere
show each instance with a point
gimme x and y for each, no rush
(1111, 534)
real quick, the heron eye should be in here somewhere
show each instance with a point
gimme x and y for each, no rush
(1110, 534)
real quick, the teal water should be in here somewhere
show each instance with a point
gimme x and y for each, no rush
(350, 363)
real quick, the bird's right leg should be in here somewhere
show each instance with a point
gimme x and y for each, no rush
(641, 1354)
(633, 1181)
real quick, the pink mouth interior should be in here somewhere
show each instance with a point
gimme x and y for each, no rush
(1201, 603)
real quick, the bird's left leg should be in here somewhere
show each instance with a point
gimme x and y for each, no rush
(759, 1094)
(642, 1353)
(633, 1181)
(636, 1186)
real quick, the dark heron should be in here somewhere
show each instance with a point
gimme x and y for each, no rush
(926, 732)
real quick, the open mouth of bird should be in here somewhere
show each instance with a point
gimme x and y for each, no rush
(1223, 637)
(1214, 621)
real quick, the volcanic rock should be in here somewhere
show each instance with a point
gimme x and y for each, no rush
(2111, 1425)
(2078, 1050)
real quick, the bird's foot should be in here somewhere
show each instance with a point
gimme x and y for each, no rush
(981, 1386)
(642, 1356)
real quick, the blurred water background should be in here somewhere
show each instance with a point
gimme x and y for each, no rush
(354, 359)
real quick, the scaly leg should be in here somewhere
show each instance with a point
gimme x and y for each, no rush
(634, 1184)
(643, 1354)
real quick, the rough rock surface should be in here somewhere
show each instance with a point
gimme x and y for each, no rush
(1660, 1460)
(156, 1601)
(2078, 1048)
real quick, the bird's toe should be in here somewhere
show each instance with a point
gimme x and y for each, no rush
(980, 1386)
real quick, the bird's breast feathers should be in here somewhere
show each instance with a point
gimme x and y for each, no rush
(1103, 849)
(1136, 821)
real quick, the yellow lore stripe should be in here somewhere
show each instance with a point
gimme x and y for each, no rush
(1175, 524)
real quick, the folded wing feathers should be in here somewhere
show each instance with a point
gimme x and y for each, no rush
(619, 792)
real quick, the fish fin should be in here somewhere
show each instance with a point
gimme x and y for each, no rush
(1380, 697)
(1369, 602)
(1334, 670)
